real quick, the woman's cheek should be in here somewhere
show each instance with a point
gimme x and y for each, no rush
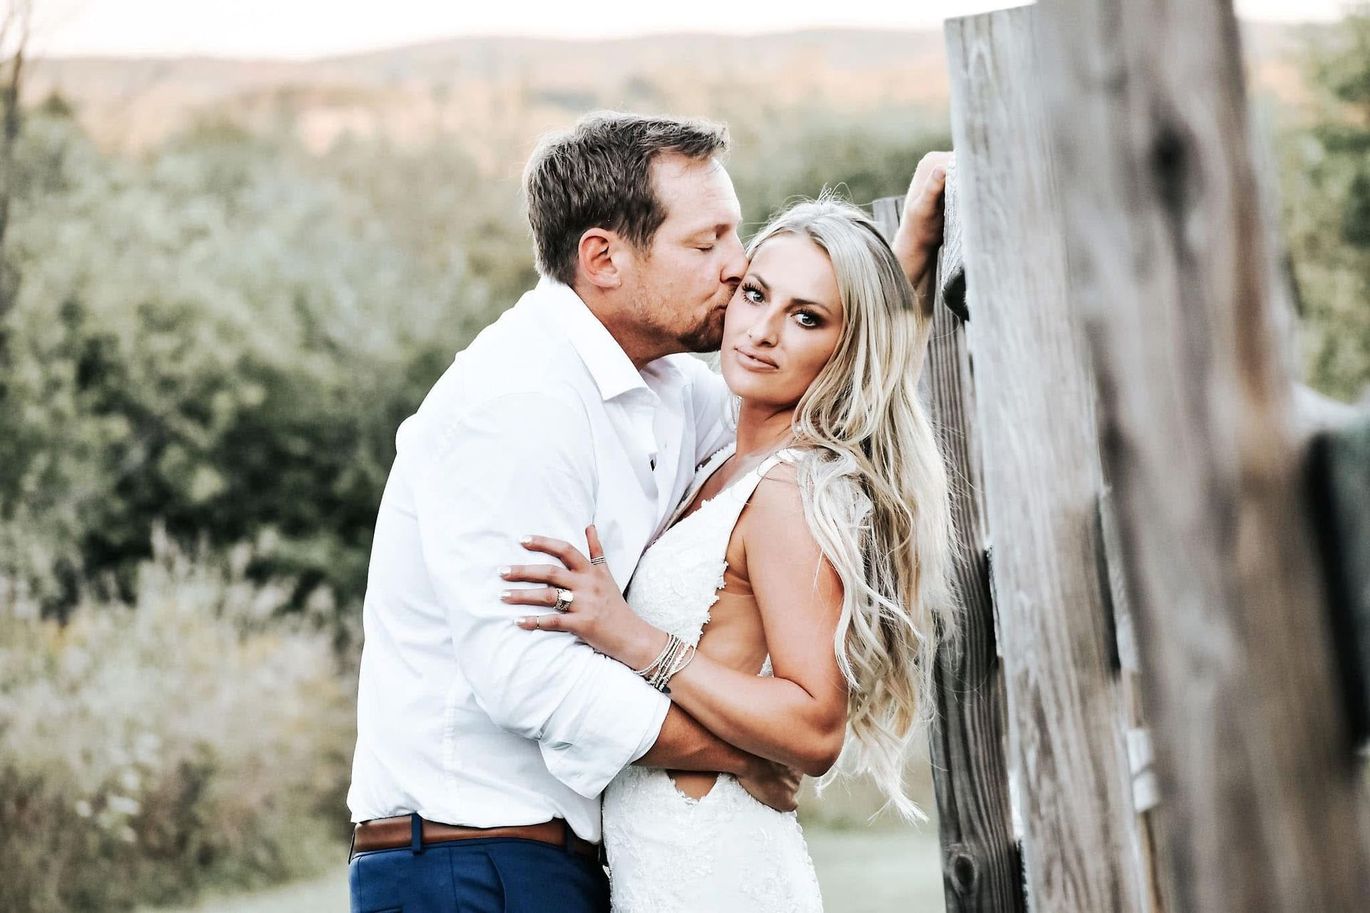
(821, 353)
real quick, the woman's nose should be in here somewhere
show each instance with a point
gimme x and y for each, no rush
(765, 330)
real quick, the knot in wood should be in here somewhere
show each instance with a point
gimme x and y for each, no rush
(962, 871)
(1169, 161)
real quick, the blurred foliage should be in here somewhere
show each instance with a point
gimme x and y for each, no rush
(220, 337)
(865, 159)
(1325, 157)
(223, 335)
(187, 740)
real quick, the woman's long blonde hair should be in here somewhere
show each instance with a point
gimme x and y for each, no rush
(875, 492)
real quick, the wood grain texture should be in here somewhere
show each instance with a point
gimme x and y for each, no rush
(1041, 481)
(1169, 269)
(981, 862)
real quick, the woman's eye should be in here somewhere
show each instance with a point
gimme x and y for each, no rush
(806, 320)
(753, 294)
(705, 249)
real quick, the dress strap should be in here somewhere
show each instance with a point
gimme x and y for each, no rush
(740, 491)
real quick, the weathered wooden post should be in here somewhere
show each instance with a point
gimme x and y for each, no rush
(981, 864)
(1042, 480)
(1169, 269)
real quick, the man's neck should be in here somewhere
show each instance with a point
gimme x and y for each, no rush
(641, 348)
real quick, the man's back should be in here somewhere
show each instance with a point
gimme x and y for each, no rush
(541, 424)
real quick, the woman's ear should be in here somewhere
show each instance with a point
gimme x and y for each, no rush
(597, 253)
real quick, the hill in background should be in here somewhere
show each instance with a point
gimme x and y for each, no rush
(495, 94)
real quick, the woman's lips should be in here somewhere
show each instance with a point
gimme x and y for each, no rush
(754, 361)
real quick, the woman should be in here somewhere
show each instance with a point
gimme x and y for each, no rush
(801, 591)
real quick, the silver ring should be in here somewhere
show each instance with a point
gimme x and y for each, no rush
(599, 559)
(564, 599)
(537, 622)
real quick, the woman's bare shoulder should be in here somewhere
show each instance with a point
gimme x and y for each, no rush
(776, 509)
(785, 563)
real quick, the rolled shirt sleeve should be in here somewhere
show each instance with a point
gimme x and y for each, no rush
(523, 464)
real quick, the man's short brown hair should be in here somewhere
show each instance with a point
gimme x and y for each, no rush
(598, 175)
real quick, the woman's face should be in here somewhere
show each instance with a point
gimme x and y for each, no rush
(783, 322)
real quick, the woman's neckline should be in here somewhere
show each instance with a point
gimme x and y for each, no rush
(727, 451)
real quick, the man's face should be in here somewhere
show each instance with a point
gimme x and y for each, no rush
(682, 283)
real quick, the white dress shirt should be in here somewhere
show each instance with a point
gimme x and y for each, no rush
(540, 427)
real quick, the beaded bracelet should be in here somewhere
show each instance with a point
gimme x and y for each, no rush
(679, 667)
(662, 672)
(673, 658)
(646, 670)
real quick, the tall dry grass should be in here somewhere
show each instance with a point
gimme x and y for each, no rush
(191, 739)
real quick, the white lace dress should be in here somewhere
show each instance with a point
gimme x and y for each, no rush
(726, 852)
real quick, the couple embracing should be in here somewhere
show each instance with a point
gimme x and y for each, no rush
(782, 532)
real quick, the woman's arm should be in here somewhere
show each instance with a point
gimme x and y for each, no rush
(798, 717)
(920, 230)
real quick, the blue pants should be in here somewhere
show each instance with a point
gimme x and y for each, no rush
(486, 875)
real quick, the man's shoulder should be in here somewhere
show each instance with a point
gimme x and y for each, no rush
(516, 355)
(514, 367)
(516, 341)
(499, 418)
(477, 389)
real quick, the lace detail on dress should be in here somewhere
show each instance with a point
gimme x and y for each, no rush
(726, 852)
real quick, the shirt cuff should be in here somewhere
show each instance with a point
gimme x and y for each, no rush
(653, 732)
(610, 735)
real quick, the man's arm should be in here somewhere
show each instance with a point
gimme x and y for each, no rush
(524, 464)
(684, 744)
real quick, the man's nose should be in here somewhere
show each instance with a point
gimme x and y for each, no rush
(735, 265)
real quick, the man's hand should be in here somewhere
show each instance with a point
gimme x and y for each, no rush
(920, 230)
(772, 784)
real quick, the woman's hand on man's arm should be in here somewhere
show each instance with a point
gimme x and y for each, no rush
(600, 617)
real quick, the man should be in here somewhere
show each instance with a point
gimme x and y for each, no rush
(481, 750)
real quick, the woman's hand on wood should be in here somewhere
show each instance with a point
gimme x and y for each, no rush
(920, 228)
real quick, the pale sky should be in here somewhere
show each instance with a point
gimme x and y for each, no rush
(309, 28)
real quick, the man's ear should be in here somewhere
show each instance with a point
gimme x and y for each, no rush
(600, 255)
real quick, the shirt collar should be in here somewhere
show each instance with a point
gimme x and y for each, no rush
(613, 371)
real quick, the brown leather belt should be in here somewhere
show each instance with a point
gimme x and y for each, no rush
(394, 833)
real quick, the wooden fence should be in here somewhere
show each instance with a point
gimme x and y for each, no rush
(1161, 689)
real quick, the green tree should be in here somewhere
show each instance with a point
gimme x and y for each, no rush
(1327, 206)
(217, 337)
